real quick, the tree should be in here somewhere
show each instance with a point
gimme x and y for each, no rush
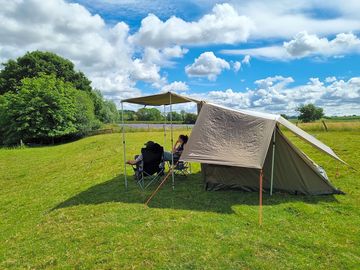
(44, 108)
(34, 63)
(129, 115)
(105, 110)
(175, 116)
(149, 114)
(309, 113)
(190, 118)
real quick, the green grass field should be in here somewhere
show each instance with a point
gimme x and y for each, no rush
(65, 207)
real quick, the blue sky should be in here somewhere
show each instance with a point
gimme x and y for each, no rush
(260, 55)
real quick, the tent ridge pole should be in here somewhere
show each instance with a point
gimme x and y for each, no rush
(124, 144)
(272, 163)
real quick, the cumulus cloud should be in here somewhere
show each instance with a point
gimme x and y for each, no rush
(246, 60)
(207, 65)
(163, 57)
(283, 19)
(176, 86)
(274, 94)
(305, 44)
(236, 66)
(102, 52)
(330, 79)
(224, 25)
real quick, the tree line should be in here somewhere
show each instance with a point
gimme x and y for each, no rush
(153, 114)
(43, 99)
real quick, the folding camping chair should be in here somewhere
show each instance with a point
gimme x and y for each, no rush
(181, 167)
(151, 168)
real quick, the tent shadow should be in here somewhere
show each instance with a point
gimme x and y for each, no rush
(189, 194)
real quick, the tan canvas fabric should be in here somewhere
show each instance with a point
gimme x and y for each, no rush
(308, 138)
(202, 125)
(227, 137)
(160, 99)
(294, 172)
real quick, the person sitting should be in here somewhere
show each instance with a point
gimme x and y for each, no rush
(177, 149)
(152, 150)
(138, 158)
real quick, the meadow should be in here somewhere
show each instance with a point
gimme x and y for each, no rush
(65, 207)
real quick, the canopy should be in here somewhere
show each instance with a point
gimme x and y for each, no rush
(160, 99)
(238, 138)
(167, 98)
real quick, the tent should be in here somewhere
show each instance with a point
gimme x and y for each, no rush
(247, 150)
(167, 98)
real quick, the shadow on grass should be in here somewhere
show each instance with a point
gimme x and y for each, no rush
(189, 194)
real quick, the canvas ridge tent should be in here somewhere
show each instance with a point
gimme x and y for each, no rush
(234, 146)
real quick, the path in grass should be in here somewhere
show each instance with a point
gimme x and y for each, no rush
(66, 207)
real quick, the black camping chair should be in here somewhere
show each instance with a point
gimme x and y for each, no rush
(151, 168)
(181, 167)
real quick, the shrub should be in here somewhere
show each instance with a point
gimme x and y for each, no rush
(42, 109)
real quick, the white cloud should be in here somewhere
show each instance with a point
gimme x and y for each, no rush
(223, 25)
(250, 19)
(285, 18)
(276, 81)
(236, 66)
(207, 65)
(330, 79)
(176, 86)
(163, 57)
(102, 52)
(273, 94)
(305, 44)
(270, 52)
(246, 60)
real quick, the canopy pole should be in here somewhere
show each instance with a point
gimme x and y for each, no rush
(260, 196)
(172, 147)
(272, 163)
(164, 126)
(124, 143)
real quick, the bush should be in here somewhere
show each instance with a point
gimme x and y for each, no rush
(44, 108)
(149, 114)
(190, 118)
(105, 110)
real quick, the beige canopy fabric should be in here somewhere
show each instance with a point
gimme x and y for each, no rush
(228, 137)
(310, 139)
(160, 99)
(202, 124)
(233, 146)
(294, 173)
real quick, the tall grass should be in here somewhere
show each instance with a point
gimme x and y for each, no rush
(331, 126)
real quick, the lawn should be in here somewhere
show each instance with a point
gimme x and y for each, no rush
(66, 207)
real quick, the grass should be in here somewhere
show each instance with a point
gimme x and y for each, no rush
(333, 124)
(65, 207)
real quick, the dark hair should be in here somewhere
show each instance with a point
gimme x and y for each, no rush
(184, 138)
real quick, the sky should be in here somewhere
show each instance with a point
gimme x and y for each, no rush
(262, 55)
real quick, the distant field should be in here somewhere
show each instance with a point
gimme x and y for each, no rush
(66, 207)
(353, 125)
(331, 125)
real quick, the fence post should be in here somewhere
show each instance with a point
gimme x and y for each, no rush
(325, 126)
